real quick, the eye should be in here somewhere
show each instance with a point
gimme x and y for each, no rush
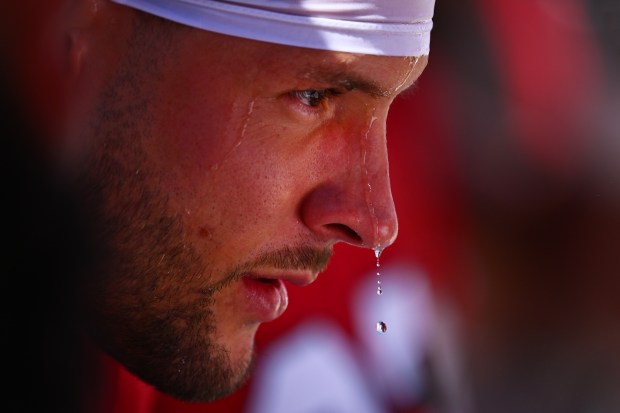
(310, 97)
(313, 103)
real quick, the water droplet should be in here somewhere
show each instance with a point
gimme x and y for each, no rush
(381, 327)
(379, 291)
(378, 252)
(245, 120)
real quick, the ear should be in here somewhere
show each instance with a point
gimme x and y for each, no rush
(43, 52)
(79, 25)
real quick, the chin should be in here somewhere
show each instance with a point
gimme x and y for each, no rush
(228, 378)
(209, 376)
(241, 354)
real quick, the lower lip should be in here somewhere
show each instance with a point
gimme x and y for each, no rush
(265, 299)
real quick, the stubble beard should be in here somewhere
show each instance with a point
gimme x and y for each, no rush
(167, 342)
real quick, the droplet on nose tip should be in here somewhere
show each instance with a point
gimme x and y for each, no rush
(378, 252)
(381, 327)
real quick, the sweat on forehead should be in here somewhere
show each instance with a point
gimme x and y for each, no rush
(376, 27)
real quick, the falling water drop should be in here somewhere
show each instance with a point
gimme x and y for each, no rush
(378, 252)
(381, 327)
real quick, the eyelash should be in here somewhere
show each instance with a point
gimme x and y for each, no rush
(314, 99)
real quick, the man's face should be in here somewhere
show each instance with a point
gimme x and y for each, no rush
(223, 169)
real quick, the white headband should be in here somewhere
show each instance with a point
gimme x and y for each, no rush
(378, 27)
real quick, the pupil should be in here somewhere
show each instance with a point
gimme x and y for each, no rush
(313, 97)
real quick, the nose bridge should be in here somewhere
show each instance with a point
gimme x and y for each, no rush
(380, 226)
(351, 201)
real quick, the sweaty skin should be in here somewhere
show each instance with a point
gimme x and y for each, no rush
(218, 169)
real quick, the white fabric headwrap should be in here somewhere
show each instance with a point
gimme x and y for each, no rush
(378, 27)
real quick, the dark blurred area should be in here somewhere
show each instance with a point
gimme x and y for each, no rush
(45, 248)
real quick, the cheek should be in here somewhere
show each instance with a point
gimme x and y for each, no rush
(260, 184)
(248, 191)
(197, 139)
(192, 144)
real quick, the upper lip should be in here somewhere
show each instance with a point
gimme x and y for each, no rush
(296, 277)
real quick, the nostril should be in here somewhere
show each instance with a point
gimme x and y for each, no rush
(347, 233)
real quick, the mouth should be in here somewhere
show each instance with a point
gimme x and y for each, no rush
(265, 298)
(266, 295)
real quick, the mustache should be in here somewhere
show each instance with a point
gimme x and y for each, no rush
(287, 258)
(300, 258)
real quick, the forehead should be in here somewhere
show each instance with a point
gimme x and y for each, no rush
(377, 75)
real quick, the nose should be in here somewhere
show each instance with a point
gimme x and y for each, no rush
(353, 201)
